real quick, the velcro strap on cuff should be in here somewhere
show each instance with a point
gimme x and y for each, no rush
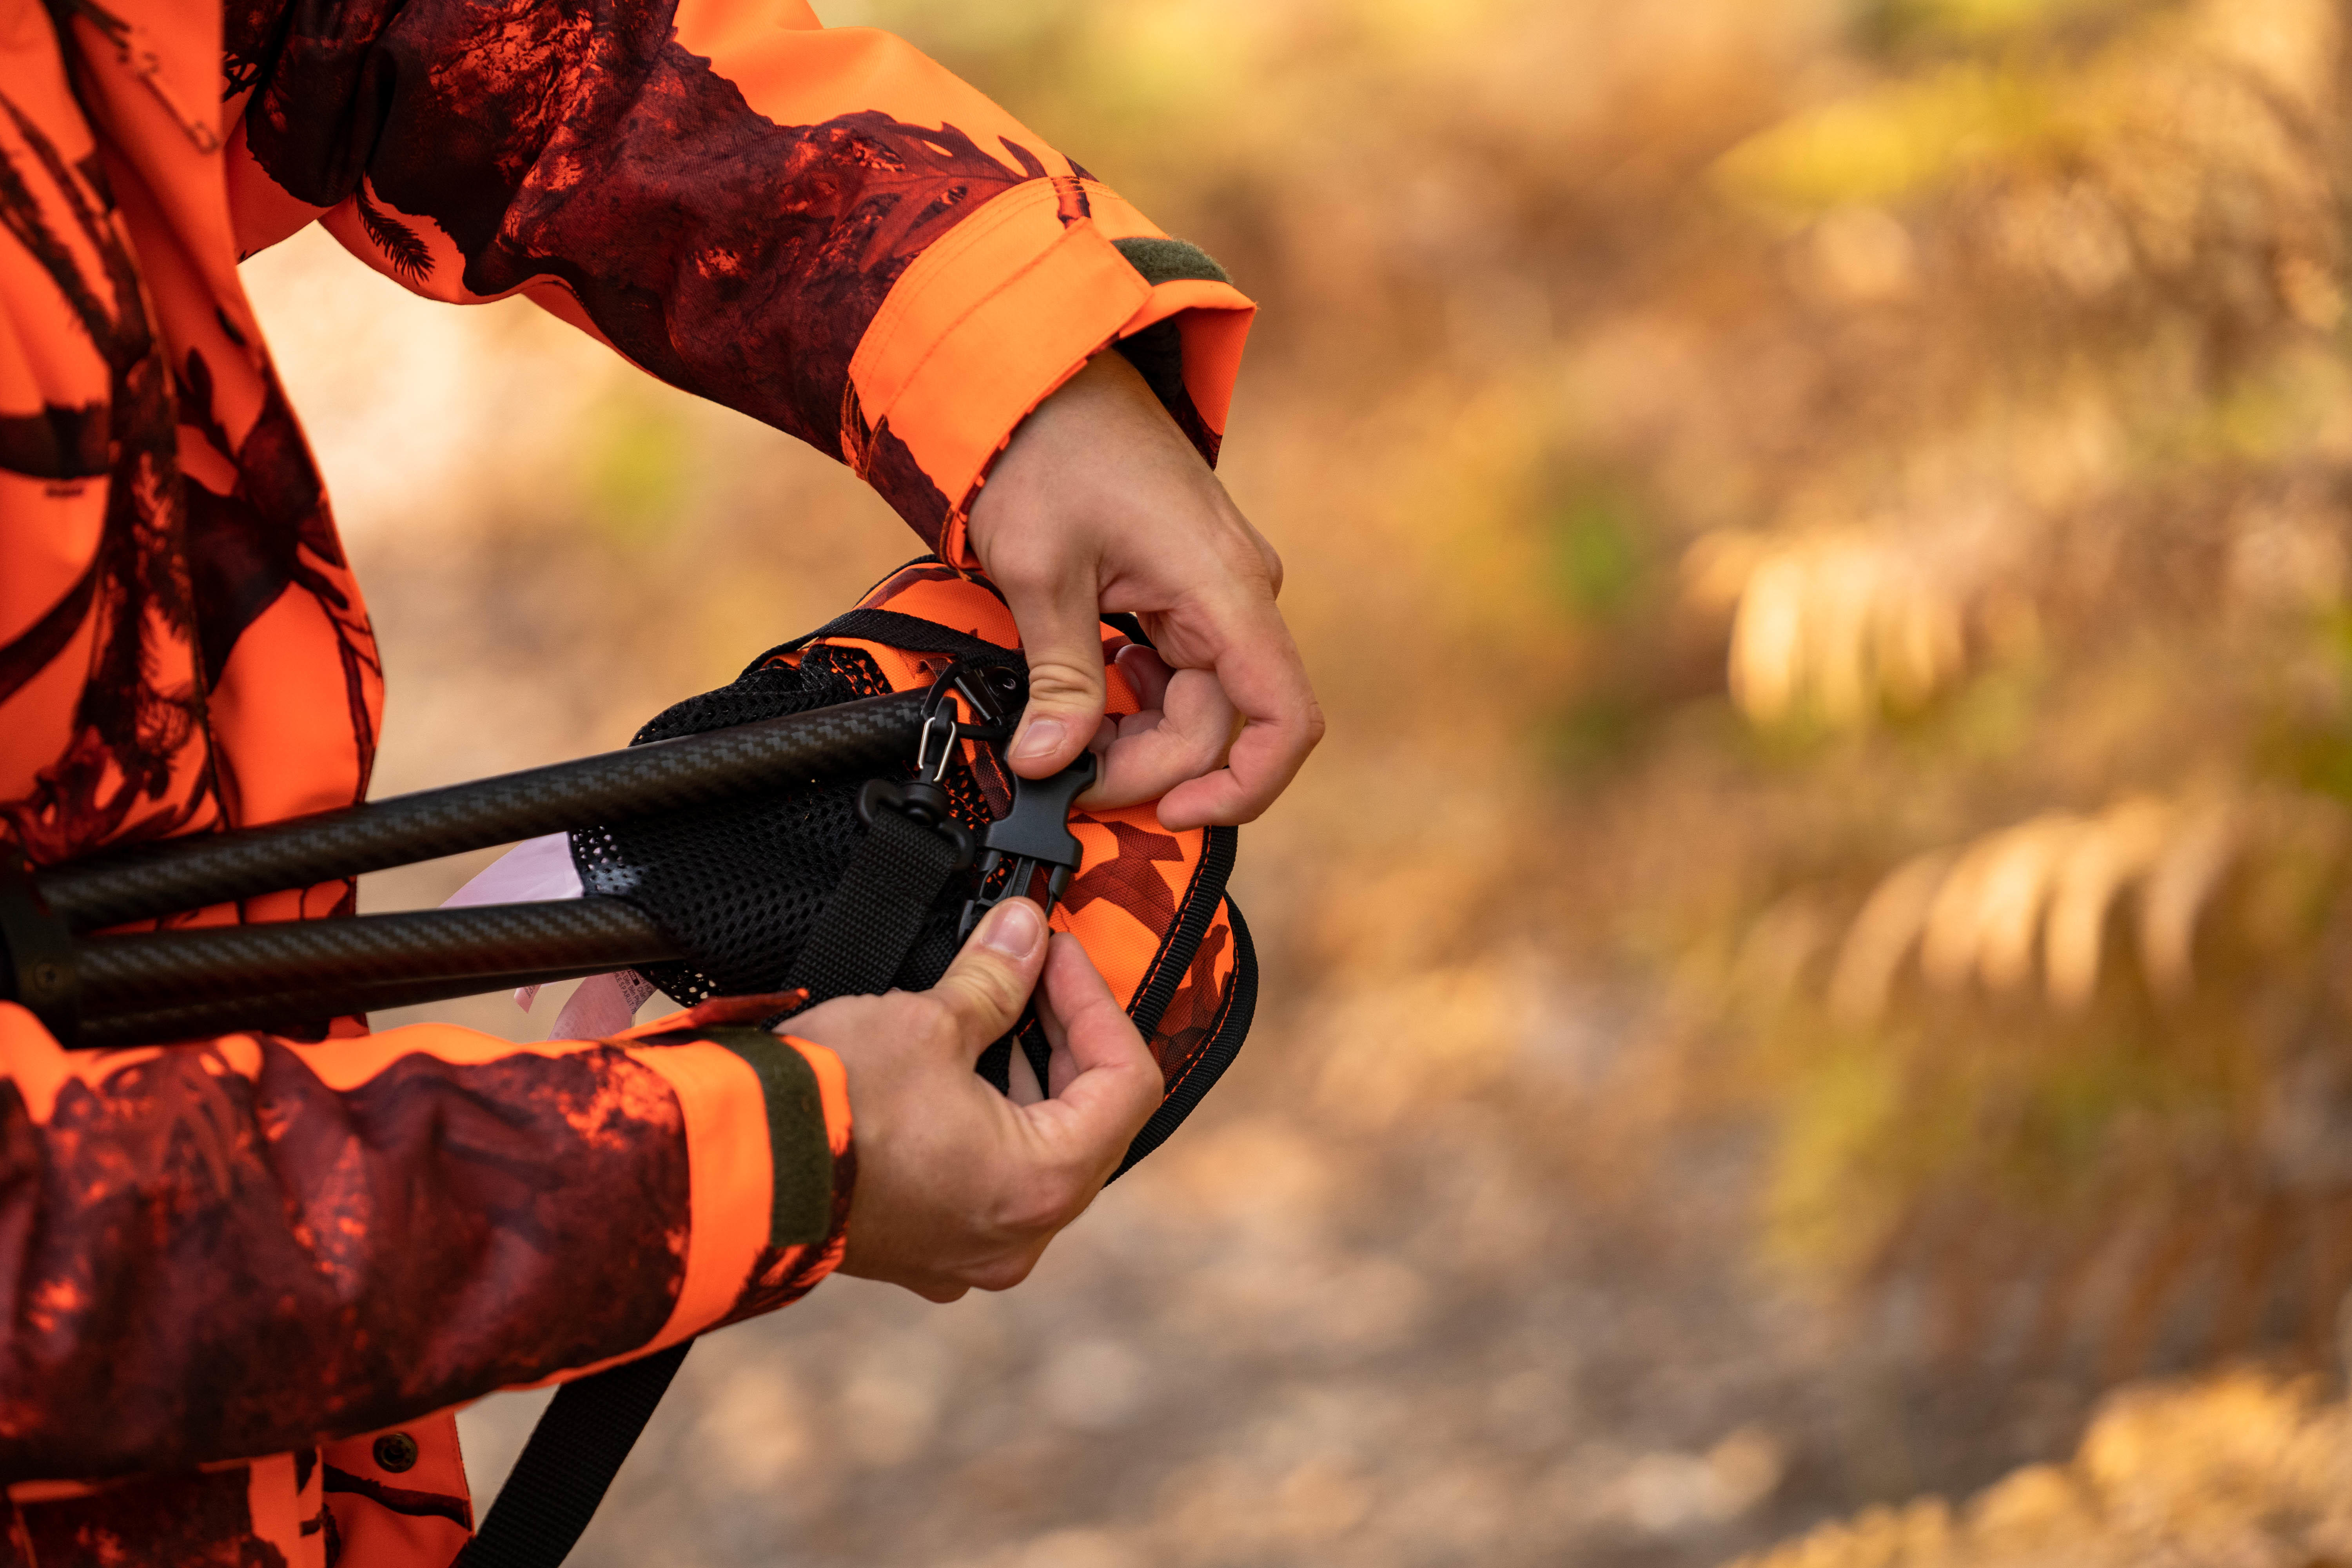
(798, 1151)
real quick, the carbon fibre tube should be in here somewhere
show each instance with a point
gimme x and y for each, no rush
(296, 1012)
(160, 969)
(298, 1015)
(202, 870)
(183, 984)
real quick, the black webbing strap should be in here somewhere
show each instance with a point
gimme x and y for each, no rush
(868, 927)
(877, 911)
(573, 1456)
(910, 632)
(895, 629)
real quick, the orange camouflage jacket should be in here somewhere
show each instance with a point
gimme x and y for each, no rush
(247, 1280)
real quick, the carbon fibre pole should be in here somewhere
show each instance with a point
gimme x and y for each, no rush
(184, 985)
(191, 873)
(150, 987)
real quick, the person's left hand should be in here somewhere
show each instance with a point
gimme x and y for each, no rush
(1100, 503)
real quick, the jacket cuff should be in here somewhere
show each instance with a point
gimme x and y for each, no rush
(987, 322)
(771, 1167)
(800, 1143)
(1187, 340)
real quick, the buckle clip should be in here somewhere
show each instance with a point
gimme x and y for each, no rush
(1036, 833)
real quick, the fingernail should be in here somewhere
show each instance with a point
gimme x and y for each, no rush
(1039, 740)
(1012, 929)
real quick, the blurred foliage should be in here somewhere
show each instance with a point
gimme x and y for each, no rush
(1600, 562)
(2054, 1006)
(2243, 1469)
(636, 480)
(1946, 689)
(1821, 527)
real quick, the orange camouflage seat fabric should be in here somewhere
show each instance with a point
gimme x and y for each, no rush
(248, 1279)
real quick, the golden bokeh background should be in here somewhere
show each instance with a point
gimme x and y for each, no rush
(1809, 994)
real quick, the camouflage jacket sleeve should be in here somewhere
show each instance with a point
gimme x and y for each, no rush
(819, 227)
(250, 1245)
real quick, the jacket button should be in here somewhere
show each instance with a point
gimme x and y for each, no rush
(395, 1451)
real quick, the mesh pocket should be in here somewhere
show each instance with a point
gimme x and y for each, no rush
(741, 885)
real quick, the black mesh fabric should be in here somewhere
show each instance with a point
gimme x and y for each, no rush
(740, 885)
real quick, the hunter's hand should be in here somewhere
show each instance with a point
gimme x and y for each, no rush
(1100, 503)
(958, 1186)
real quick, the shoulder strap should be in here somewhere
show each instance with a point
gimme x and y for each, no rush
(868, 927)
(573, 1456)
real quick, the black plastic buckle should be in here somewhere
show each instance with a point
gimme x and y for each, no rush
(921, 802)
(36, 953)
(1036, 833)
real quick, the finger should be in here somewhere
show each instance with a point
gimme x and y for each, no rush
(1060, 1066)
(1268, 554)
(1094, 1026)
(1010, 1269)
(1258, 668)
(985, 988)
(1116, 1084)
(1146, 672)
(1056, 615)
(1049, 1018)
(1021, 1086)
(1153, 754)
(937, 1289)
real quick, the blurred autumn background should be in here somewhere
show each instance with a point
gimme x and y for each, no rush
(1809, 994)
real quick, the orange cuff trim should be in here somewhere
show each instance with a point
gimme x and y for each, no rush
(981, 327)
(731, 1186)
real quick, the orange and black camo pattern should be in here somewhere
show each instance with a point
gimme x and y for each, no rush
(1191, 983)
(248, 1279)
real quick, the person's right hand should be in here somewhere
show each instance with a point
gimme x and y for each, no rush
(1099, 502)
(958, 1186)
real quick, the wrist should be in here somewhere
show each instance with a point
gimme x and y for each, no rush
(1098, 439)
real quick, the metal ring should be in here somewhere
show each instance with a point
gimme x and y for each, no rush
(923, 747)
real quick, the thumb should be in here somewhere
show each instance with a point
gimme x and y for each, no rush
(985, 988)
(1064, 643)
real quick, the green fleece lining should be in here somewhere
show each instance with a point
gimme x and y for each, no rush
(798, 1151)
(1158, 351)
(1167, 260)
